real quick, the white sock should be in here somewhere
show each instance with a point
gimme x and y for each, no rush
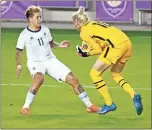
(29, 99)
(85, 99)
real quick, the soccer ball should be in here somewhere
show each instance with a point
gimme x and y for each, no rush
(85, 47)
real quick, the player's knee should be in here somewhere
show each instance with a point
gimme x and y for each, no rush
(71, 79)
(115, 75)
(94, 73)
(39, 78)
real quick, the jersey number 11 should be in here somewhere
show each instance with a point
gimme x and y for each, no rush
(41, 43)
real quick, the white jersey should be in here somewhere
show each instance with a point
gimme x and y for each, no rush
(37, 43)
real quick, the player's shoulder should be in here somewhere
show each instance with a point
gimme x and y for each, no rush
(23, 32)
(87, 25)
(43, 27)
(90, 23)
(86, 28)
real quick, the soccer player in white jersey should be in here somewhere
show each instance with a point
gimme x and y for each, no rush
(38, 41)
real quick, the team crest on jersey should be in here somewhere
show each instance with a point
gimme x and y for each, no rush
(5, 6)
(45, 34)
(114, 8)
(31, 38)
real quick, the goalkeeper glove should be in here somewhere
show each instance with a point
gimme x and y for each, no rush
(80, 52)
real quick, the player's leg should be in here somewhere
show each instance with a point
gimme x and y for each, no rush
(37, 71)
(62, 73)
(116, 70)
(96, 75)
(79, 90)
(116, 76)
(108, 57)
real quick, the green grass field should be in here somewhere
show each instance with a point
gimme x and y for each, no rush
(56, 106)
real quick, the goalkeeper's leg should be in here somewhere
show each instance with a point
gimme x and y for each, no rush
(116, 69)
(96, 75)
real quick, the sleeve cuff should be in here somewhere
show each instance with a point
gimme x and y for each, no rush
(51, 41)
(19, 49)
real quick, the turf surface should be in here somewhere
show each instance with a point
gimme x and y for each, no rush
(56, 106)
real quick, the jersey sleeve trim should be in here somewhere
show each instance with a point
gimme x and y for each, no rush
(51, 41)
(110, 43)
(19, 49)
(108, 40)
(98, 37)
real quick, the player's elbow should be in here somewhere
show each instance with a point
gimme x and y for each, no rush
(51, 44)
(18, 52)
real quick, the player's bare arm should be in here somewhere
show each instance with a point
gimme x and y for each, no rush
(18, 62)
(63, 44)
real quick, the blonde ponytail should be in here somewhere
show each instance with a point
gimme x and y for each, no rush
(81, 9)
(80, 15)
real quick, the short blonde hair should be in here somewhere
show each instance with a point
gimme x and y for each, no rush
(81, 16)
(31, 10)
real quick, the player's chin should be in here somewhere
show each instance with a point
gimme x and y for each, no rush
(38, 25)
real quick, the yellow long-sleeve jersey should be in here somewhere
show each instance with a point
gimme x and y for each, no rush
(98, 35)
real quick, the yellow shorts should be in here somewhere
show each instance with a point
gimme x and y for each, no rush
(120, 53)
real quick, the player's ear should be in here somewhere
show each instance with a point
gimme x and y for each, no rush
(29, 19)
(76, 21)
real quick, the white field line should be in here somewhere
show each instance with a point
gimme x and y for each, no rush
(85, 86)
(78, 35)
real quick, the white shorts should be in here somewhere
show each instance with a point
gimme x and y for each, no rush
(52, 67)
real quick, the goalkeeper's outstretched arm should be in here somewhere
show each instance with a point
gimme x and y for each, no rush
(95, 48)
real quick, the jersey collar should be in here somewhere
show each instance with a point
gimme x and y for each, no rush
(32, 30)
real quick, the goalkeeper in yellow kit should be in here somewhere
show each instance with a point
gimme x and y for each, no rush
(114, 49)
